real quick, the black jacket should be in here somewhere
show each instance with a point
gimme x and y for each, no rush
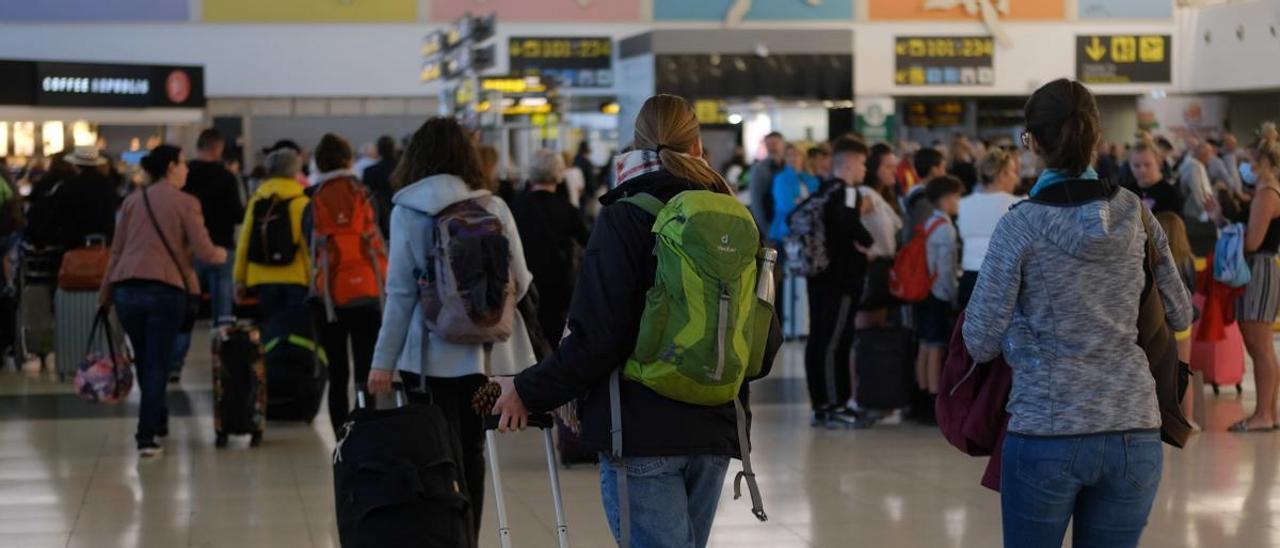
(847, 270)
(604, 321)
(1160, 197)
(378, 178)
(219, 195)
(552, 233)
(85, 205)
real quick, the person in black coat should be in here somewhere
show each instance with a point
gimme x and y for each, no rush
(665, 442)
(378, 178)
(552, 233)
(85, 204)
(835, 292)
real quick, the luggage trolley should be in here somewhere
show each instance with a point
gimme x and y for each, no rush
(34, 278)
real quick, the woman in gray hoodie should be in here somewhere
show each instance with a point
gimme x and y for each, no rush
(1058, 296)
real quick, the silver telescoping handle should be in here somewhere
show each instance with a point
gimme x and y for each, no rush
(562, 528)
(491, 447)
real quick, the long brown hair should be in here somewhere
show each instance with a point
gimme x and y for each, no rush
(666, 123)
(1063, 117)
(440, 146)
(1176, 231)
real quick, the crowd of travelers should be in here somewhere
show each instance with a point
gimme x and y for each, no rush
(1040, 249)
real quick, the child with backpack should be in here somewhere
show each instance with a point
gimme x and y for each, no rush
(665, 416)
(935, 315)
(455, 256)
(827, 243)
(351, 264)
(271, 254)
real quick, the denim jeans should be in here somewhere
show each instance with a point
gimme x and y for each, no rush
(673, 499)
(215, 279)
(276, 298)
(1105, 482)
(151, 315)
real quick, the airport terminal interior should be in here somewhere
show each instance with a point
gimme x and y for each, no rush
(222, 220)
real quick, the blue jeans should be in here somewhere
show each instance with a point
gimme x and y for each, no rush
(215, 279)
(673, 499)
(276, 298)
(152, 315)
(1106, 482)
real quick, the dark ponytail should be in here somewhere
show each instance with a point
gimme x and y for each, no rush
(156, 163)
(1063, 117)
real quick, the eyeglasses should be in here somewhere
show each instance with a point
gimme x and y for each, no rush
(1026, 139)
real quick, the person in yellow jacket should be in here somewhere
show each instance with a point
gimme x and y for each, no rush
(262, 263)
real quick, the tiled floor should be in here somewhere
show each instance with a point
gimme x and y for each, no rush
(70, 478)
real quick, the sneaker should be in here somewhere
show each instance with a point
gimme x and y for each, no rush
(150, 450)
(820, 418)
(842, 417)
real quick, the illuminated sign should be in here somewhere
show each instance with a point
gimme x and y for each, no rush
(513, 84)
(432, 44)
(100, 85)
(1124, 59)
(576, 61)
(710, 111)
(431, 71)
(934, 113)
(944, 61)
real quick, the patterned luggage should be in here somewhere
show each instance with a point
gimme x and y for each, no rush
(239, 384)
(73, 315)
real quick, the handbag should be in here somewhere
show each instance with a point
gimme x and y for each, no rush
(1157, 341)
(193, 302)
(1229, 265)
(104, 379)
(83, 269)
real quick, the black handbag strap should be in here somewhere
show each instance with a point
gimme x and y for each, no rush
(101, 322)
(186, 288)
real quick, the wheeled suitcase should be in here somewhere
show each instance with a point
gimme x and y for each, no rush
(884, 358)
(544, 423)
(239, 384)
(73, 314)
(297, 368)
(398, 479)
(1222, 362)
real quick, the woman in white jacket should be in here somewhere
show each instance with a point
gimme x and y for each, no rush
(438, 169)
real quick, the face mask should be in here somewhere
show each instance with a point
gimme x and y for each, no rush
(1247, 175)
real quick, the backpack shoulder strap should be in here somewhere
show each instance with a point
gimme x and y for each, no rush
(932, 226)
(648, 202)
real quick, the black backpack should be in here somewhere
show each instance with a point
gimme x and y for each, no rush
(271, 241)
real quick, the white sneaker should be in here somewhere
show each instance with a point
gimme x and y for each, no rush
(150, 451)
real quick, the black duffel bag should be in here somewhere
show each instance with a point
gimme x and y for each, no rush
(398, 481)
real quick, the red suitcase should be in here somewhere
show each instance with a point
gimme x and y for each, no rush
(1222, 362)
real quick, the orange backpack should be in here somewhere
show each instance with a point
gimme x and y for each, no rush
(350, 256)
(910, 280)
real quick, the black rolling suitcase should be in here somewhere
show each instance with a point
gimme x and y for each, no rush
(297, 368)
(397, 479)
(885, 364)
(239, 384)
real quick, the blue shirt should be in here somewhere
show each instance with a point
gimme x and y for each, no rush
(786, 195)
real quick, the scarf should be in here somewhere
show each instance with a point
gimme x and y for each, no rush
(636, 163)
(1051, 177)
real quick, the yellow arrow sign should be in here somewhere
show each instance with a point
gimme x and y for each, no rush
(1095, 50)
(901, 47)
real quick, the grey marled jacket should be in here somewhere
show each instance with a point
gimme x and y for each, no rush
(1058, 296)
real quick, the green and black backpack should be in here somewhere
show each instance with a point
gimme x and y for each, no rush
(704, 330)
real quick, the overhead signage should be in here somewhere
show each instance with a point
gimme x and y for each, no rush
(513, 85)
(432, 44)
(1124, 59)
(431, 71)
(934, 113)
(576, 61)
(101, 85)
(944, 61)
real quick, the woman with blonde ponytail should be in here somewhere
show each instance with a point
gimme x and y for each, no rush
(674, 454)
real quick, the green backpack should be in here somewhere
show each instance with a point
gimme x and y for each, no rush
(704, 330)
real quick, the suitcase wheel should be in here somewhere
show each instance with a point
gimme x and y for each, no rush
(1239, 390)
(220, 440)
(255, 439)
(1215, 389)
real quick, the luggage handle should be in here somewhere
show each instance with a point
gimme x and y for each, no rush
(397, 388)
(541, 421)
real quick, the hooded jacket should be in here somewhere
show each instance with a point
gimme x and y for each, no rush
(604, 320)
(404, 343)
(299, 271)
(1058, 295)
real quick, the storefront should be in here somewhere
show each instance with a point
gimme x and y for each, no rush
(50, 107)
